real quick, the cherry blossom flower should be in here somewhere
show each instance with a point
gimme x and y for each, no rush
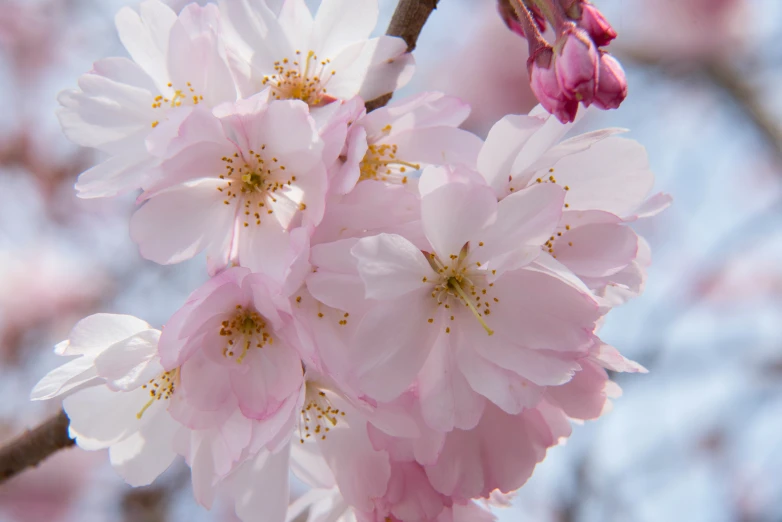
(246, 183)
(434, 314)
(177, 63)
(316, 60)
(116, 394)
(390, 143)
(607, 182)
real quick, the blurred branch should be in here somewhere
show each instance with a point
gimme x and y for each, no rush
(33, 446)
(145, 505)
(726, 77)
(407, 23)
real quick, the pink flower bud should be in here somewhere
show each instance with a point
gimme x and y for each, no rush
(594, 23)
(544, 83)
(511, 19)
(612, 84)
(577, 63)
(508, 15)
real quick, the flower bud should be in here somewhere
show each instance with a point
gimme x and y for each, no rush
(511, 18)
(594, 23)
(508, 15)
(544, 83)
(577, 64)
(612, 84)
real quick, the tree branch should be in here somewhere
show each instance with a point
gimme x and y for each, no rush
(33, 446)
(724, 76)
(407, 23)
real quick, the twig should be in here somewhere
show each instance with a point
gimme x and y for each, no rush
(33, 446)
(727, 78)
(745, 96)
(407, 23)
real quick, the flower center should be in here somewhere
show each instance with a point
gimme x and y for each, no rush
(161, 387)
(381, 163)
(180, 96)
(462, 281)
(318, 415)
(299, 79)
(245, 330)
(256, 182)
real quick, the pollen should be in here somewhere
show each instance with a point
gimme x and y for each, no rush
(382, 164)
(318, 415)
(160, 388)
(245, 331)
(463, 282)
(301, 80)
(253, 181)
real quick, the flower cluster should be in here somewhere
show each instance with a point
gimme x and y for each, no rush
(399, 313)
(575, 69)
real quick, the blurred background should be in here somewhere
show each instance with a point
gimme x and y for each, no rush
(697, 439)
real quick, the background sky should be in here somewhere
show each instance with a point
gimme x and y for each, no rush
(696, 440)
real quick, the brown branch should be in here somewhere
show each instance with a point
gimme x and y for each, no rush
(33, 446)
(407, 23)
(724, 76)
(746, 97)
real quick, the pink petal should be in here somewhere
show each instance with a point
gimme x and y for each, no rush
(391, 266)
(392, 343)
(597, 250)
(447, 400)
(180, 222)
(454, 214)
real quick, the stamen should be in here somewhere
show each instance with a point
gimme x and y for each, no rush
(161, 387)
(454, 285)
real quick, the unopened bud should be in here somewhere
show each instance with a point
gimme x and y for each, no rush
(508, 15)
(511, 17)
(594, 23)
(545, 85)
(577, 64)
(612, 84)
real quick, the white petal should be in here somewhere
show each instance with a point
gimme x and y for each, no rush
(65, 378)
(143, 456)
(145, 36)
(340, 23)
(261, 488)
(100, 417)
(97, 332)
(131, 362)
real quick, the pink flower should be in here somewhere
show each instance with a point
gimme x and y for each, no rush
(607, 182)
(316, 60)
(176, 63)
(247, 184)
(576, 63)
(391, 143)
(612, 87)
(229, 346)
(438, 315)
